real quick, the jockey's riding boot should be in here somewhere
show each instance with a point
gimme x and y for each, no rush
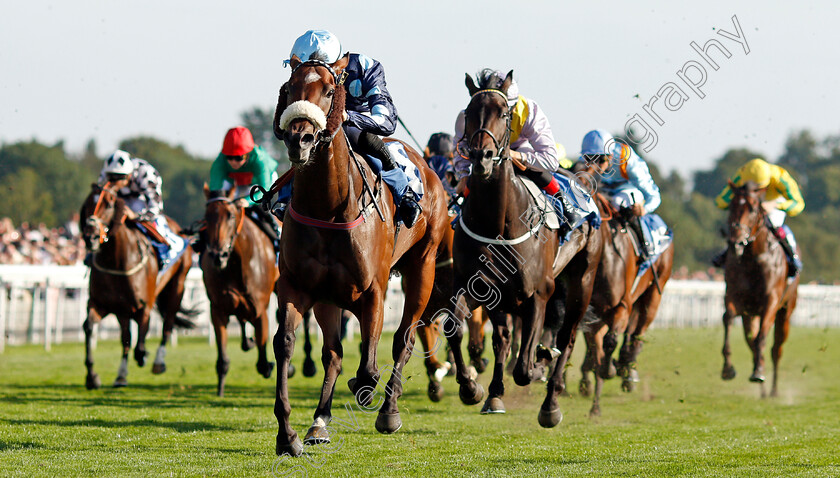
(267, 224)
(793, 260)
(644, 248)
(88, 259)
(719, 259)
(410, 209)
(569, 218)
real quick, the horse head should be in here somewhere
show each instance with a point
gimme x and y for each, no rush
(223, 220)
(746, 216)
(101, 212)
(487, 126)
(310, 107)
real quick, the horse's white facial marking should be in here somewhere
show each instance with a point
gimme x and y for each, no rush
(312, 77)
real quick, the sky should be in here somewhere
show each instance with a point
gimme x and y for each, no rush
(184, 71)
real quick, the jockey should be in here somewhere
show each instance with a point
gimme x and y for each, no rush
(439, 152)
(241, 164)
(531, 144)
(628, 184)
(138, 184)
(370, 112)
(781, 197)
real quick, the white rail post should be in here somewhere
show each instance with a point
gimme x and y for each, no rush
(3, 313)
(47, 315)
(60, 300)
(30, 330)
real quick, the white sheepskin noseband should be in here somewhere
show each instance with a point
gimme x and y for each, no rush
(306, 110)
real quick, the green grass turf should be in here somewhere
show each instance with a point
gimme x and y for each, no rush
(683, 420)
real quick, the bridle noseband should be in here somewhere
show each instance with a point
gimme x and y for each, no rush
(752, 229)
(324, 137)
(501, 146)
(94, 220)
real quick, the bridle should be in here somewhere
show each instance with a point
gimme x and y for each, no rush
(94, 220)
(753, 229)
(324, 137)
(240, 219)
(501, 146)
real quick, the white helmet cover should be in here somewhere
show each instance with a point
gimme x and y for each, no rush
(118, 163)
(316, 45)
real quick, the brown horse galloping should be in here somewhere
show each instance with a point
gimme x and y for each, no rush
(239, 275)
(624, 303)
(124, 282)
(756, 284)
(513, 266)
(338, 248)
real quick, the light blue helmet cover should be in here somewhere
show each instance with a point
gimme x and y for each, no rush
(316, 45)
(596, 142)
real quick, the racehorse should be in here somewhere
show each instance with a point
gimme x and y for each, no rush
(239, 275)
(756, 283)
(506, 260)
(623, 301)
(339, 245)
(124, 281)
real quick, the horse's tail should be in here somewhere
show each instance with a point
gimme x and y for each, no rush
(184, 317)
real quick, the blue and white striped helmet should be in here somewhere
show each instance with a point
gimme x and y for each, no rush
(316, 45)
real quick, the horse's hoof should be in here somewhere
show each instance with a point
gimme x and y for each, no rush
(295, 448)
(452, 370)
(291, 371)
(585, 388)
(248, 344)
(472, 373)
(388, 423)
(435, 391)
(471, 393)
(628, 385)
(158, 368)
(493, 405)
(550, 419)
(268, 367)
(141, 359)
(309, 368)
(595, 411)
(92, 382)
(728, 373)
(607, 371)
(317, 436)
(757, 377)
(120, 382)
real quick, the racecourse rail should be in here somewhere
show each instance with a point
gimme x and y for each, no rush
(48, 304)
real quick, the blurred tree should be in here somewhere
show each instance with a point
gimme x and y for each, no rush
(261, 123)
(23, 198)
(711, 183)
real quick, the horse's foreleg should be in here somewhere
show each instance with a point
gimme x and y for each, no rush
(140, 352)
(247, 342)
(125, 338)
(515, 326)
(501, 347)
(309, 369)
(780, 332)
(332, 352)
(169, 304)
(617, 326)
(475, 346)
(593, 335)
(92, 380)
(767, 321)
(533, 318)
(418, 282)
(264, 367)
(363, 385)
(288, 318)
(470, 391)
(728, 372)
(220, 321)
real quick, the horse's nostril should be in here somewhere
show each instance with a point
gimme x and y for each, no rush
(307, 139)
(488, 154)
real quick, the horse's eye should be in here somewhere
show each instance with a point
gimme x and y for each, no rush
(331, 93)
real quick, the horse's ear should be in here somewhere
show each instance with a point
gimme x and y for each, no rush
(206, 191)
(341, 63)
(294, 62)
(731, 184)
(282, 102)
(470, 84)
(507, 82)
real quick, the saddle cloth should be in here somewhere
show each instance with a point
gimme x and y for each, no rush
(397, 151)
(658, 238)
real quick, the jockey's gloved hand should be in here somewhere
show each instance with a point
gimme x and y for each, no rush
(145, 217)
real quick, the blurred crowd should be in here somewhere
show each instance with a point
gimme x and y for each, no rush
(39, 245)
